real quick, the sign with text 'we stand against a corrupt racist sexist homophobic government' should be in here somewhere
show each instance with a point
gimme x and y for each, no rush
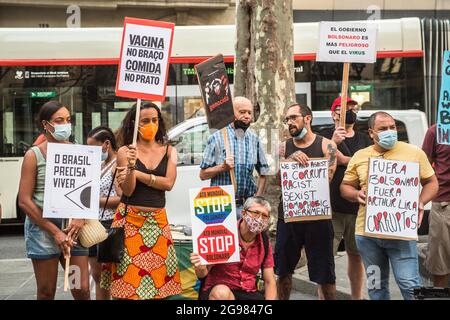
(216, 93)
(305, 190)
(347, 42)
(214, 224)
(72, 181)
(443, 115)
(144, 59)
(392, 204)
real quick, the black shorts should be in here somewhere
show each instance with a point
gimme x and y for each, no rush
(238, 295)
(93, 249)
(317, 238)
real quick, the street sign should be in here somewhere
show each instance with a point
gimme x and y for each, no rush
(42, 94)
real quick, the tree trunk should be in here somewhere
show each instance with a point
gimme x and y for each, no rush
(264, 72)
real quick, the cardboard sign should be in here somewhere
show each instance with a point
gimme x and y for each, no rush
(144, 59)
(216, 94)
(72, 181)
(305, 190)
(392, 199)
(214, 225)
(347, 42)
(443, 115)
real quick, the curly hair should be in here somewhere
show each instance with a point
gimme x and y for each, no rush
(126, 130)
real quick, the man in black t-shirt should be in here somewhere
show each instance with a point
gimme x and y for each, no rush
(348, 142)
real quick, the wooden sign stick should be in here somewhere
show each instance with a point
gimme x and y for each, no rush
(344, 91)
(227, 151)
(136, 121)
(67, 267)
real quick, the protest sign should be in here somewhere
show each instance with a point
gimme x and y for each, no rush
(216, 94)
(214, 225)
(305, 190)
(443, 115)
(72, 181)
(347, 42)
(392, 199)
(144, 59)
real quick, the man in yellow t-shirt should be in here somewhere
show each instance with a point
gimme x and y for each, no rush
(378, 253)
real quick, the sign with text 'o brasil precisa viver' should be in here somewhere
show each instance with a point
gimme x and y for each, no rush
(443, 115)
(214, 224)
(72, 181)
(347, 42)
(392, 202)
(305, 190)
(144, 59)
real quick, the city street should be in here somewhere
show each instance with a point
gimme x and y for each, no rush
(17, 280)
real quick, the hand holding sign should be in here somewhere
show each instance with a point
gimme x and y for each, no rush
(339, 134)
(132, 155)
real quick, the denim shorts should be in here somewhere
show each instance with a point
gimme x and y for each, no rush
(41, 245)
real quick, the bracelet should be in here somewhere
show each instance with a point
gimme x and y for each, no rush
(152, 180)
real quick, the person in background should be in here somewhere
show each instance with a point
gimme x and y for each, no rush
(375, 252)
(246, 156)
(104, 137)
(47, 241)
(348, 141)
(438, 257)
(149, 265)
(237, 281)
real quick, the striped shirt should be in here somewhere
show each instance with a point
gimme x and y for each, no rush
(248, 156)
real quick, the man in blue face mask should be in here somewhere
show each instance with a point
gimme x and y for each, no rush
(378, 254)
(316, 237)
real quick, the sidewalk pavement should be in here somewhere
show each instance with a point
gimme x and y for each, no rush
(301, 282)
(17, 281)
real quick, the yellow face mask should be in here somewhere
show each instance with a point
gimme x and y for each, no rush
(148, 131)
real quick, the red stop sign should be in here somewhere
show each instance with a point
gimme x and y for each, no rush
(216, 244)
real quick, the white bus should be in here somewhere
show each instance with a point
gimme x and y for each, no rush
(78, 67)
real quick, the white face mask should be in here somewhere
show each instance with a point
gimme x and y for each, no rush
(104, 155)
(62, 131)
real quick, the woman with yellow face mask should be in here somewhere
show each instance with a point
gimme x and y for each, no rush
(149, 266)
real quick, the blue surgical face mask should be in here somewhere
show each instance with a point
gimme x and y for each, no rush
(387, 139)
(62, 131)
(301, 134)
(104, 155)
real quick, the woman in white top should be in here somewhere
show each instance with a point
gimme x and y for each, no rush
(104, 137)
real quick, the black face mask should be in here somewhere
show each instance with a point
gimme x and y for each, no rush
(238, 124)
(350, 117)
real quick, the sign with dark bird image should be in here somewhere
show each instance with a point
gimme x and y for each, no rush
(72, 181)
(216, 94)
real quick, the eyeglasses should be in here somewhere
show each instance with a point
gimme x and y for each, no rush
(257, 214)
(293, 118)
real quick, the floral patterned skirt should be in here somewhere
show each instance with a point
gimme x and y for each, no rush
(149, 266)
